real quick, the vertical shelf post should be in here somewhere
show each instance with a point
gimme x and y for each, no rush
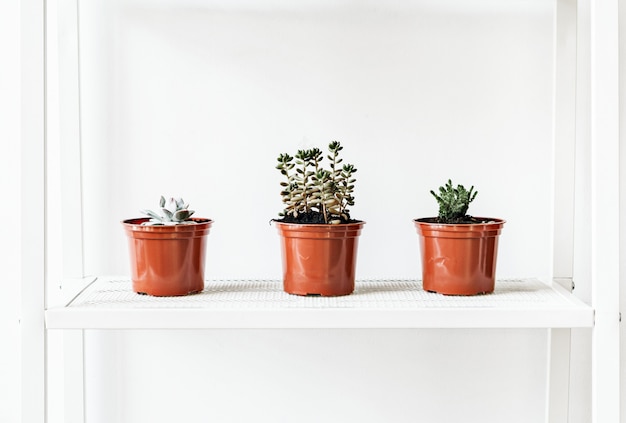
(564, 138)
(71, 199)
(605, 214)
(70, 142)
(33, 128)
(564, 134)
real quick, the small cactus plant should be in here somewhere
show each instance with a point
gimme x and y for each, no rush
(453, 203)
(312, 194)
(174, 212)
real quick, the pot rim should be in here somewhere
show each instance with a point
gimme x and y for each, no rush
(135, 224)
(318, 225)
(319, 231)
(492, 227)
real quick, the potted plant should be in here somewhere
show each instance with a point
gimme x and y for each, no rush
(319, 239)
(167, 250)
(459, 251)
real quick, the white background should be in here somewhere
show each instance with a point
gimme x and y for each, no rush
(198, 99)
(10, 191)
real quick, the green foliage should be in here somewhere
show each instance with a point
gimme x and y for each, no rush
(173, 212)
(453, 202)
(309, 189)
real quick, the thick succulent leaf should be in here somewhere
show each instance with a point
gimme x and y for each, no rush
(167, 214)
(151, 214)
(170, 205)
(181, 215)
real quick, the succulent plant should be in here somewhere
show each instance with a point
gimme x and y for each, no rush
(312, 194)
(174, 212)
(453, 202)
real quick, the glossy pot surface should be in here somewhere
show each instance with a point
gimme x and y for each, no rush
(319, 259)
(459, 259)
(167, 260)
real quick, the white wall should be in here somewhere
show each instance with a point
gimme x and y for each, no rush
(198, 98)
(199, 101)
(10, 229)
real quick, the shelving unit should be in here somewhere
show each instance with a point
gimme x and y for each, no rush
(108, 303)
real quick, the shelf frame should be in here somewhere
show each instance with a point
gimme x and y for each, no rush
(605, 239)
(33, 202)
(605, 209)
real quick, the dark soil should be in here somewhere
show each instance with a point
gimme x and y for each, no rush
(463, 221)
(312, 217)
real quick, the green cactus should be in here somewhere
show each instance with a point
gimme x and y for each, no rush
(174, 212)
(453, 202)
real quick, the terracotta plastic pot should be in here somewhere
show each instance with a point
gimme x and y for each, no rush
(167, 260)
(319, 259)
(459, 259)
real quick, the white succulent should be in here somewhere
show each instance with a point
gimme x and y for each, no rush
(174, 212)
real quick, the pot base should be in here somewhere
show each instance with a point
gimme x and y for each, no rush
(458, 294)
(173, 295)
(289, 288)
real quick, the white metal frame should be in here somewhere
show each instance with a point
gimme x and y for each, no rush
(564, 133)
(33, 127)
(605, 209)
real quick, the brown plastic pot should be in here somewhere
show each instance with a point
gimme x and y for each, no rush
(459, 259)
(319, 259)
(167, 260)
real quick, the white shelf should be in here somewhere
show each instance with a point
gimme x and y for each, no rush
(109, 303)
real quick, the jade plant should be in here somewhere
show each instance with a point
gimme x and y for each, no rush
(174, 211)
(312, 194)
(453, 203)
